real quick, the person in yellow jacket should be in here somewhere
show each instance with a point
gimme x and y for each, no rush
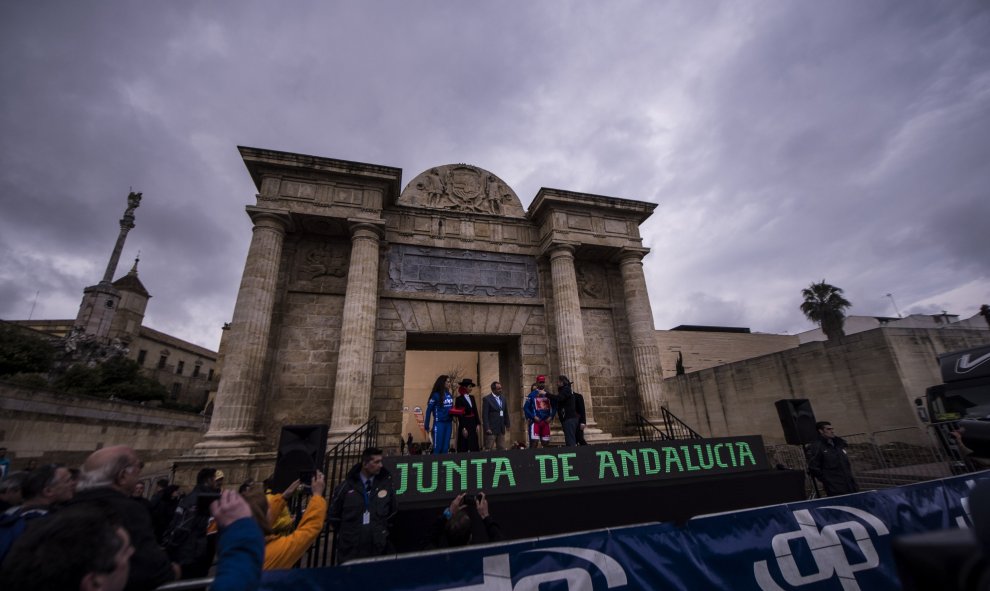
(285, 551)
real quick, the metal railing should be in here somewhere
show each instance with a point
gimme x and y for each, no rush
(673, 428)
(888, 458)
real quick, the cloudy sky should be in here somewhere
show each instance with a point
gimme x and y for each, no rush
(785, 142)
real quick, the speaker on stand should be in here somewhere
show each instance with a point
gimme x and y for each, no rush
(797, 419)
(301, 450)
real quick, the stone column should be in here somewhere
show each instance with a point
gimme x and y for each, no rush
(236, 406)
(352, 389)
(646, 354)
(570, 328)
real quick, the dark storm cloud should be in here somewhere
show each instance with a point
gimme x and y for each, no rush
(784, 143)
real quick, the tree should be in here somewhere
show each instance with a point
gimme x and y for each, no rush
(824, 304)
(985, 312)
(23, 351)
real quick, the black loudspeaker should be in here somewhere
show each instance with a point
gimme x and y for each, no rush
(301, 448)
(797, 420)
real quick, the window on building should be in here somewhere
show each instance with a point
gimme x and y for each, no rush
(196, 369)
(142, 355)
(161, 361)
(176, 390)
(179, 367)
(209, 376)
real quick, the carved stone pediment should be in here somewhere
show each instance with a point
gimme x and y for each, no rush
(462, 187)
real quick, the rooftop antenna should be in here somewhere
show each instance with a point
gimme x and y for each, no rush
(891, 296)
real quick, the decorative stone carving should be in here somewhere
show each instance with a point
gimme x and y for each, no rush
(461, 272)
(462, 187)
(320, 266)
(591, 281)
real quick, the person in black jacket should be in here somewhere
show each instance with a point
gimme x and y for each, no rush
(361, 509)
(582, 418)
(829, 462)
(567, 410)
(186, 540)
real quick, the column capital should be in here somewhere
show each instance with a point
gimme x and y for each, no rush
(560, 249)
(366, 228)
(277, 219)
(631, 255)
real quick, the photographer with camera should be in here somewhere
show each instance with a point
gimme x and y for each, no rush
(460, 521)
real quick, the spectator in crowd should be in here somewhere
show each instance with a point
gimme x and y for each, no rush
(539, 411)
(456, 527)
(139, 498)
(362, 508)
(438, 411)
(241, 548)
(829, 462)
(76, 548)
(10, 490)
(285, 551)
(187, 539)
(409, 442)
(567, 410)
(281, 520)
(495, 417)
(4, 463)
(467, 411)
(107, 479)
(43, 488)
(163, 509)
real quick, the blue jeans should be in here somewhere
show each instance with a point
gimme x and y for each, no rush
(441, 437)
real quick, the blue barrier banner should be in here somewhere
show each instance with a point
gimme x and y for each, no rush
(832, 543)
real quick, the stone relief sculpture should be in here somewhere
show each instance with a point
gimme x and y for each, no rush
(322, 262)
(462, 187)
(590, 281)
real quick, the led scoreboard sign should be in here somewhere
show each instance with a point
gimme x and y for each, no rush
(430, 477)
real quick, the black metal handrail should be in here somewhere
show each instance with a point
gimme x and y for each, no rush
(339, 460)
(672, 428)
(677, 428)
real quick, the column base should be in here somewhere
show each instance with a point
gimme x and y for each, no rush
(225, 445)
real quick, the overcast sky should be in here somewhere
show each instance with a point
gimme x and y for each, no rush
(785, 142)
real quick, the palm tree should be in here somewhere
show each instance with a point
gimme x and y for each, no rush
(824, 304)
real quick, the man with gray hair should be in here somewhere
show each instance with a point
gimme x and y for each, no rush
(105, 484)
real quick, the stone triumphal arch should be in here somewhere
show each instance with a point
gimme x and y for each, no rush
(347, 271)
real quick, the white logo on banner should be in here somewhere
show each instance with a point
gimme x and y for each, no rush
(963, 522)
(498, 574)
(826, 549)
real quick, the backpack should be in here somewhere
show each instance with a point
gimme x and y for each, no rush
(186, 541)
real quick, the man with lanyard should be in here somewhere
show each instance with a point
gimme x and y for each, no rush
(495, 418)
(361, 509)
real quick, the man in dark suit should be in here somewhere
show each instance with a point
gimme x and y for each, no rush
(468, 422)
(495, 416)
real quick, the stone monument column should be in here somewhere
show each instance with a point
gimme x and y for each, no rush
(570, 328)
(352, 389)
(646, 354)
(236, 406)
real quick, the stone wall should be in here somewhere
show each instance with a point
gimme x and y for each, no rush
(863, 383)
(704, 349)
(47, 427)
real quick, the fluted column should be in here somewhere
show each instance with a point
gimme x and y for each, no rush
(570, 328)
(352, 389)
(646, 354)
(236, 407)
